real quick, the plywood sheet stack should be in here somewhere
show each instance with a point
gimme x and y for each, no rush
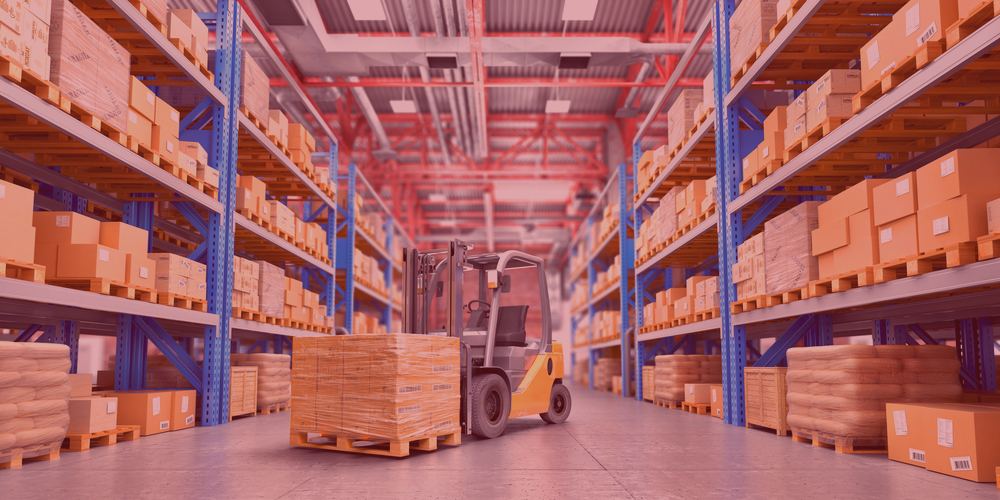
(790, 263)
(88, 65)
(675, 370)
(274, 377)
(254, 89)
(271, 287)
(393, 386)
(604, 370)
(841, 391)
(749, 272)
(35, 19)
(246, 284)
(34, 393)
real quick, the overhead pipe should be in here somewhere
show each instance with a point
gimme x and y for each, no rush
(469, 92)
(459, 114)
(634, 92)
(365, 104)
(410, 13)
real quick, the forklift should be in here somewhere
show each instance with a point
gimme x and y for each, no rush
(506, 373)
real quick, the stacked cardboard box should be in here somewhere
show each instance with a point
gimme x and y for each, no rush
(706, 293)
(246, 284)
(393, 386)
(274, 377)
(254, 89)
(846, 239)
(773, 146)
(295, 307)
(194, 152)
(185, 25)
(34, 412)
(69, 245)
(749, 29)
(88, 65)
(698, 394)
(134, 243)
(604, 370)
(16, 224)
(681, 117)
(959, 440)
(841, 391)
(788, 254)
(34, 31)
(282, 217)
(581, 373)
(665, 301)
(689, 203)
(707, 103)
(301, 144)
(580, 334)
(913, 26)
(674, 371)
(176, 275)
(952, 197)
(717, 401)
(749, 272)
(271, 285)
(251, 195)
(366, 270)
(277, 126)
(645, 171)
(829, 97)
(316, 238)
(90, 414)
(366, 323)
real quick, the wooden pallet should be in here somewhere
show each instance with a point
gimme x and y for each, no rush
(14, 458)
(745, 305)
(989, 246)
(780, 432)
(951, 256)
(842, 282)
(22, 270)
(242, 415)
(159, 24)
(384, 447)
(283, 235)
(105, 286)
(272, 408)
(673, 405)
(753, 180)
(769, 300)
(706, 315)
(840, 444)
(978, 16)
(83, 442)
(189, 54)
(250, 315)
(812, 136)
(742, 70)
(696, 221)
(699, 408)
(257, 219)
(182, 301)
(923, 55)
(683, 320)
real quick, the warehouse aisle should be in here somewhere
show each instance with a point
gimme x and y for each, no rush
(610, 448)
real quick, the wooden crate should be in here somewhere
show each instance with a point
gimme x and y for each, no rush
(766, 403)
(242, 391)
(649, 383)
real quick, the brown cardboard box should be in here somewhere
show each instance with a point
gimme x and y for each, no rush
(65, 228)
(831, 106)
(862, 251)
(16, 203)
(907, 439)
(177, 29)
(141, 99)
(90, 261)
(40, 8)
(795, 131)
(11, 14)
(164, 143)
(168, 263)
(749, 28)
(299, 139)
(692, 284)
(150, 410)
(172, 284)
(18, 243)
(879, 56)
(834, 82)
(717, 398)
(752, 247)
(280, 121)
(751, 164)
(698, 393)
(124, 237)
(830, 237)
(194, 150)
(12, 44)
(90, 414)
(898, 239)
(669, 296)
(197, 289)
(924, 21)
(139, 128)
(895, 199)
(187, 164)
(796, 110)
(957, 220)
(993, 216)
(962, 171)
(81, 384)
(853, 200)
(140, 271)
(961, 440)
(182, 406)
(167, 117)
(684, 306)
(199, 32)
(35, 36)
(209, 175)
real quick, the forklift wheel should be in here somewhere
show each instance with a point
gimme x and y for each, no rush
(560, 403)
(490, 405)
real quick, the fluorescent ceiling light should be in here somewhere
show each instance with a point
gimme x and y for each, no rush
(403, 106)
(557, 106)
(578, 10)
(437, 198)
(371, 10)
(532, 191)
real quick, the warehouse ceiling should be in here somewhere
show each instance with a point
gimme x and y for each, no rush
(498, 170)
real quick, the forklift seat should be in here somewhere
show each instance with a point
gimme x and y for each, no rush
(510, 326)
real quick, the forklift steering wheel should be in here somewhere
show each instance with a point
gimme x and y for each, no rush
(469, 305)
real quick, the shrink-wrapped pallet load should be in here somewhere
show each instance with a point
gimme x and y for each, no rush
(34, 394)
(673, 371)
(271, 285)
(749, 29)
(789, 260)
(254, 89)
(274, 377)
(604, 370)
(840, 392)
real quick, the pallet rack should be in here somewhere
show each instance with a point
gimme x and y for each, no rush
(894, 312)
(199, 225)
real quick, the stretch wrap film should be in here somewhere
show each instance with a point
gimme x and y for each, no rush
(274, 376)
(33, 398)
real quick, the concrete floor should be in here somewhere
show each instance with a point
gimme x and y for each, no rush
(609, 448)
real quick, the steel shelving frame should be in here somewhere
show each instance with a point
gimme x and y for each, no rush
(169, 328)
(598, 259)
(891, 312)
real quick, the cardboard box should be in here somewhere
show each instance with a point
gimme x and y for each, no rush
(907, 439)
(165, 144)
(853, 200)
(963, 171)
(140, 271)
(924, 21)
(35, 35)
(717, 398)
(199, 32)
(835, 82)
(993, 216)
(692, 284)
(796, 130)
(300, 139)
(90, 414)
(830, 237)
(194, 150)
(16, 203)
(961, 440)
(751, 164)
(823, 108)
(182, 407)
(281, 125)
(150, 410)
(862, 251)
(698, 393)
(65, 228)
(209, 175)
(751, 247)
(177, 29)
(81, 384)
(895, 199)
(680, 117)
(11, 14)
(40, 8)
(124, 237)
(196, 289)
(141, 99)
(187, 164)
(105, 378)
(75, 52)
(879, 55)
(139, 128)
(168, 263)
(796, 110)
(898, 239)
(18, 243)
(684, 306)
(749, 28)
(957, 220)
(90, 261)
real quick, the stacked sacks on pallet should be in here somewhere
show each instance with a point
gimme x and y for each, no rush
(673, 371)
(34, 394)
(274, 377)
(604, 370)
(841, 391)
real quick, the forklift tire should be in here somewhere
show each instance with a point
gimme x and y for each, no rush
(490, 405)
(560, 403)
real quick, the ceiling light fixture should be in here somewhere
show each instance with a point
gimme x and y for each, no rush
(403, 106)
(371, 10)
(557, 106)
(578, 10)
